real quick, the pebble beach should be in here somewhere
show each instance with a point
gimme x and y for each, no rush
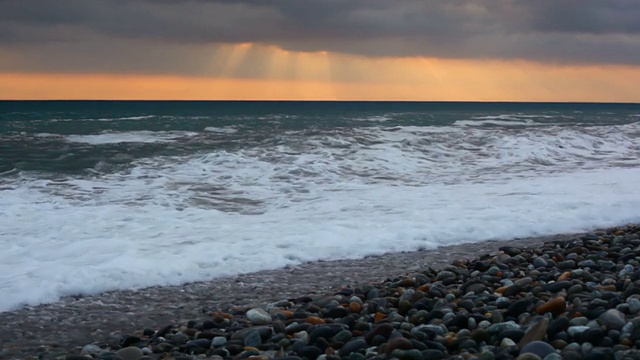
(564, 297)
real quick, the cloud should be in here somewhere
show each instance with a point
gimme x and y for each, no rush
(557, 31)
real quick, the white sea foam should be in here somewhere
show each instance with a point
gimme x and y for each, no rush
(143, 136)
(375, 118)
(515, 116)
(45, 135)
(221, 130)
(105, 119)
(346, 194)
(479, 122)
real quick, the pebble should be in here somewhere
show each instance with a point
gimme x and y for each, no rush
(130, 353)
(91, 349)
(352, 346)
(612, 319)
(258, 316)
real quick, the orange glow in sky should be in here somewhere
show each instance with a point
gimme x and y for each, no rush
(283, 75)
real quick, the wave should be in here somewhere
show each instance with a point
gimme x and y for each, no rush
(188, 223)
(497, 122)
(143, 136)
(307, 195)
(221, 130)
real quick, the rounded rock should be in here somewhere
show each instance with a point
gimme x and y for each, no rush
(91, 349)
(612, 319)
(554, 306)
(130, 353)
(258, 316)
(352, 346)
(398, 343)
(539, 348)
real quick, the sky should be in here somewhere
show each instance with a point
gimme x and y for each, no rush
(457, 50)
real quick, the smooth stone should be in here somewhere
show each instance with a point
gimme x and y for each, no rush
(384, 330)
(634, 305)
(587, 263)
(514, 334)
(539, 348)
(528, 356)
(579, 321)
(302, 336)
(476, 288)
(311, 352)
(353, 346)
(502, 302)
(496, 328)
(557, 286)
(512, 290)
(571, 355)
(557, 325)
(575, 289)
(600, 353)
(398, 343)
(91, 349)
(486, 355)
(130, 353)
(507, 343)
(203, 343)
(554, 306)
(436, 329)
(264, 331)
(517, 308)
(435, 354)
(537, 332)
(539, 262)
(324, 331)
(585, 348)
(179, 338)
(558, 344)
(218, 341)
(484, 324)
(252, 338)
(567, 265)
(562, 335)
(343, 336)
(553, 356)
(524, 281)
(258, 316)
(444, 274)
(413, 354)
(612, 319)
(468, 344)
(337, 312)
(576, 330)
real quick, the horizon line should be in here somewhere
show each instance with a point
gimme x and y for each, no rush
(325, 101)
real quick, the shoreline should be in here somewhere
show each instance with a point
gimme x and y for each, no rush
(73, 322)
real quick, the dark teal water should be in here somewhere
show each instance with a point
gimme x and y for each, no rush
(32, 132)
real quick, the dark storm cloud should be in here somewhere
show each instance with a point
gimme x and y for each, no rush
(565, 31)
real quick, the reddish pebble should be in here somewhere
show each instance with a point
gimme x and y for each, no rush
(354, 307)
(315, 320)
(564, 276)
(554, 306)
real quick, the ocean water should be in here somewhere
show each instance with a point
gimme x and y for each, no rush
(98, 196)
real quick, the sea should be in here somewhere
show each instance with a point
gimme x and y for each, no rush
(113, 195)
